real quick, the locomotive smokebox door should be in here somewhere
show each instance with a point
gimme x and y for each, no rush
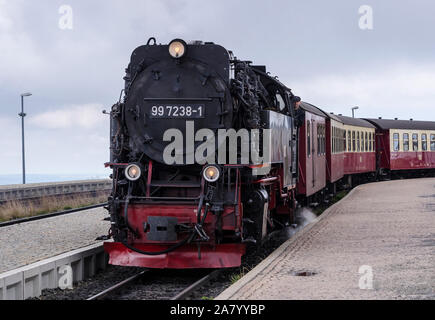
(162, 229)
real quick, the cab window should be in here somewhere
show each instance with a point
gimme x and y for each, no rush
(280, 104)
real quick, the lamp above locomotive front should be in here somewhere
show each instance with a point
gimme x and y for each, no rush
(177, 48)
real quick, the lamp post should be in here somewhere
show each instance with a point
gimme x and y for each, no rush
(22, 115)
(353, 111)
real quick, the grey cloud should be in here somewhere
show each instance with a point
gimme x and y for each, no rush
(312, 46)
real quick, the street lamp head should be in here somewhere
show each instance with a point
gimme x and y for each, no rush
(27, 94)
(353, 111)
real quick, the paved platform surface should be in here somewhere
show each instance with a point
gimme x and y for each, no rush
(387, 226)
(30, 242)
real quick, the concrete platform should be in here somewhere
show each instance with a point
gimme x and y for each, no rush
(376, 243)
(31, 190)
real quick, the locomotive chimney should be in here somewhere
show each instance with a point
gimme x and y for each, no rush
(380, 118)
(396, 118)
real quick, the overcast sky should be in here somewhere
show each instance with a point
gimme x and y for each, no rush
(315, 47)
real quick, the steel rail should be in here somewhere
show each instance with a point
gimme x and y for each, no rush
(117, 286)
(49, 215)
(183, 294)
(186, 292)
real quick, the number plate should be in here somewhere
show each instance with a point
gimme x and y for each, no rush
(177, 111)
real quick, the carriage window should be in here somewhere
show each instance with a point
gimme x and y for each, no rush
(424, 142)
(396, 142)
(370, 142)
(432, 142)
(366, 142)
(358, 148)
(353, 141)
(333, 139)
(324, 140)
(308, 139)
(340, 140)
(414, 142)
(405, 142)
(373, 140)
(344, 140)
(362, 141)
(349, 141)
(319, 139)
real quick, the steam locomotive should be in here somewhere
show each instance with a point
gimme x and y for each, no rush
(209, 156)
(186, 190)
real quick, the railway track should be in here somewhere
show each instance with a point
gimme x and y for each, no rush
(132, 284)
(49, 215)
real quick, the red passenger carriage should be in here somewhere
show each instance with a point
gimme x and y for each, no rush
(405, 145)
(312, 151)
(359, 146)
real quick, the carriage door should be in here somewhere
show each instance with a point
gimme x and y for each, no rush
(313, 151)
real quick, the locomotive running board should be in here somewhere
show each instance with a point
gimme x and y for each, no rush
(221, 256)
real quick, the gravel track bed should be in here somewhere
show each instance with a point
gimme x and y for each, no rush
(87, 288)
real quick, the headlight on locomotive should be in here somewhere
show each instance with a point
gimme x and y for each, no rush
(133, 172)
(211, 173)
(177, 48)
